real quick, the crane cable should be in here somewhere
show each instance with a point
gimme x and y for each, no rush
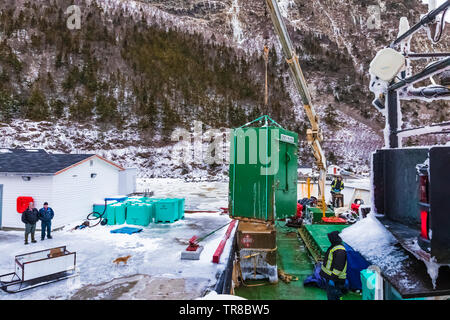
(266, 93)
(266, 60)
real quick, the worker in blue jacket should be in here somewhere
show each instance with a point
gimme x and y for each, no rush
(46, 215)
(334, 267)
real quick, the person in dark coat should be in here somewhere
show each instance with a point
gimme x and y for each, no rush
(30, 217)
(336, 188)
(46, 215)
(334, 267)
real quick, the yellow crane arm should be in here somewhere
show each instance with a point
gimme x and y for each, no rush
(314, 135)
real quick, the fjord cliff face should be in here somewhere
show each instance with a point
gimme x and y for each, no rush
(136, 70)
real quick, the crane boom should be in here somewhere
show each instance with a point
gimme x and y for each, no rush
(314, 135)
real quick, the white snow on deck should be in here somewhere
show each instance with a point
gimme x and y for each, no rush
(369, 237)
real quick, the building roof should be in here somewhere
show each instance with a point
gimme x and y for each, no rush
(38, 161)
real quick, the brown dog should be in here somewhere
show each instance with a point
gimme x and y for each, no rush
(122, 259)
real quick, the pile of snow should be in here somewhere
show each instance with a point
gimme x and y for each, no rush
(369, 237)
(379, 247)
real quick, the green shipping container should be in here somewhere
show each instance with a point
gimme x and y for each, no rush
(263, 172)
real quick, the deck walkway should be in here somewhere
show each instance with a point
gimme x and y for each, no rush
(294, 259)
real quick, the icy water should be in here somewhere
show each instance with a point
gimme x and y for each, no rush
(198, 195)
(214, 195)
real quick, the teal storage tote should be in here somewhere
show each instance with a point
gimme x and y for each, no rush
(119, 212)
(109, 214)
(150, 210)
(166, 211)
(152, 201)
(98, 208)
(368, 278)
(180, 207)
(138, 214)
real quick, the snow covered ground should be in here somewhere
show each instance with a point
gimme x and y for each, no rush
(155, 252)
(154, 270)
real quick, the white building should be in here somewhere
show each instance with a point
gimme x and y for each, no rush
(307, 172)
(334, 170)
(70, 183)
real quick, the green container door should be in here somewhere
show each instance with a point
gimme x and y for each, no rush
(286, 179)
(257, 190)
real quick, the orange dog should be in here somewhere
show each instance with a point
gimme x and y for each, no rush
(122, 259)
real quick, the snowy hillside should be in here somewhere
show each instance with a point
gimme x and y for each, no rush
(138, 70)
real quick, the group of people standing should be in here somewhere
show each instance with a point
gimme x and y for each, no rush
(31, 216)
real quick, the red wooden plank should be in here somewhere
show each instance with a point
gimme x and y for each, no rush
(219, 250)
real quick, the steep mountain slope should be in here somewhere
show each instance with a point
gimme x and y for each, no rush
(137, 70)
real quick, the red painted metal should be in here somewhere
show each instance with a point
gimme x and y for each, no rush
(299, 210)
(333, 220)
(424, 224)
(355, 207)
(23, 203)
(193, 245)
(219, 250)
